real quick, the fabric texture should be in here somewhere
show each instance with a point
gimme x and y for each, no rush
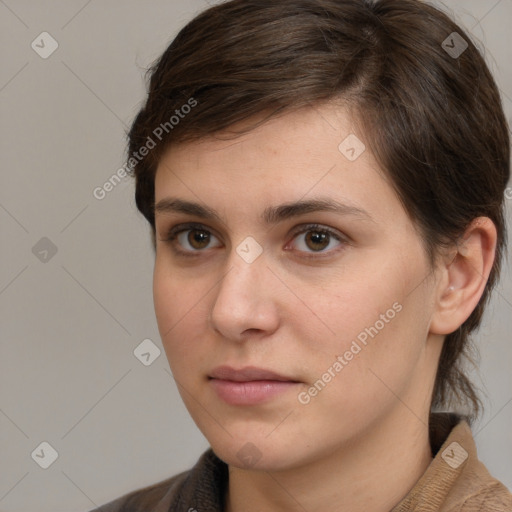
(455, 481)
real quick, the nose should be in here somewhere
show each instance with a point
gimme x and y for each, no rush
(246, 302)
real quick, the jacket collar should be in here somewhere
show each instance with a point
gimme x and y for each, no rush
(454, 474)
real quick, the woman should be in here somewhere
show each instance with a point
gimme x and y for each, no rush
(324, 181)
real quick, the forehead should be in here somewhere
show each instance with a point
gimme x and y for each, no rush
(301, 154)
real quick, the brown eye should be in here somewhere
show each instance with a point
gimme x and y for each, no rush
(317, 239)
(190, 239)
(195, 240)
(198, 239)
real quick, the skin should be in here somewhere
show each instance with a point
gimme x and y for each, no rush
(362, 442)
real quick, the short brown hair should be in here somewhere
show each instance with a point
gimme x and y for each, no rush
(432, 118)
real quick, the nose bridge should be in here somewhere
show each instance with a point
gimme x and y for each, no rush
(243, 301)
(247, 263)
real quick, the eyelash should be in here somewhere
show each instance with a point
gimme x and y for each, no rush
(177, 230)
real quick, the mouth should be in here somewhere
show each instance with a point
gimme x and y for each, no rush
(248, 374)
(249, 385)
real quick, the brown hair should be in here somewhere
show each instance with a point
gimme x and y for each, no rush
(432, 118)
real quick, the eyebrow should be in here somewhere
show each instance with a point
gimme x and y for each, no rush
(271, 214)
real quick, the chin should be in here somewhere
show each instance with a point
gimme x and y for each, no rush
(258, 454)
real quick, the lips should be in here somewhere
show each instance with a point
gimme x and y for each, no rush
(248, 374)
(249, 386)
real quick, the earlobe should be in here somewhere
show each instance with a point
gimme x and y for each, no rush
(464, 277)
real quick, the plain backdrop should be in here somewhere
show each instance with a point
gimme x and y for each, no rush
(75, 274)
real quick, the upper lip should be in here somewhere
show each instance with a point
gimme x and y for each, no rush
(246, 374)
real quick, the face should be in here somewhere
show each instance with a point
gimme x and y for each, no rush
(335, 300)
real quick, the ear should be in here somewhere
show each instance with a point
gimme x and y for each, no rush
(463, 275)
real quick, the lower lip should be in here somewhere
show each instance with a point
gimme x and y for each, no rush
(250, 393)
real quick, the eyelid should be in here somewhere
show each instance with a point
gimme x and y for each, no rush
(174, 231)
(186, 226)
(304, 228)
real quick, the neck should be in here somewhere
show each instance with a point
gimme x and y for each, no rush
(369, 474)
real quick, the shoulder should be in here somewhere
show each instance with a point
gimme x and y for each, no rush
(493, 497)
(146, 498)
(200, 488)
(456, 480)
(472, 487)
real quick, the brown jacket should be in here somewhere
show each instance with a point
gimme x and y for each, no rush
(455, 481)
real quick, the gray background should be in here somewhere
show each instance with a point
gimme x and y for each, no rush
(70, 324)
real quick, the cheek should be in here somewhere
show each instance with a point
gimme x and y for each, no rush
(181, 312)
(360, 372)
(378, 316)
(351, 304)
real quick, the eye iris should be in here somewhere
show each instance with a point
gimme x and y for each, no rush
(198, 239)
(317, 238)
